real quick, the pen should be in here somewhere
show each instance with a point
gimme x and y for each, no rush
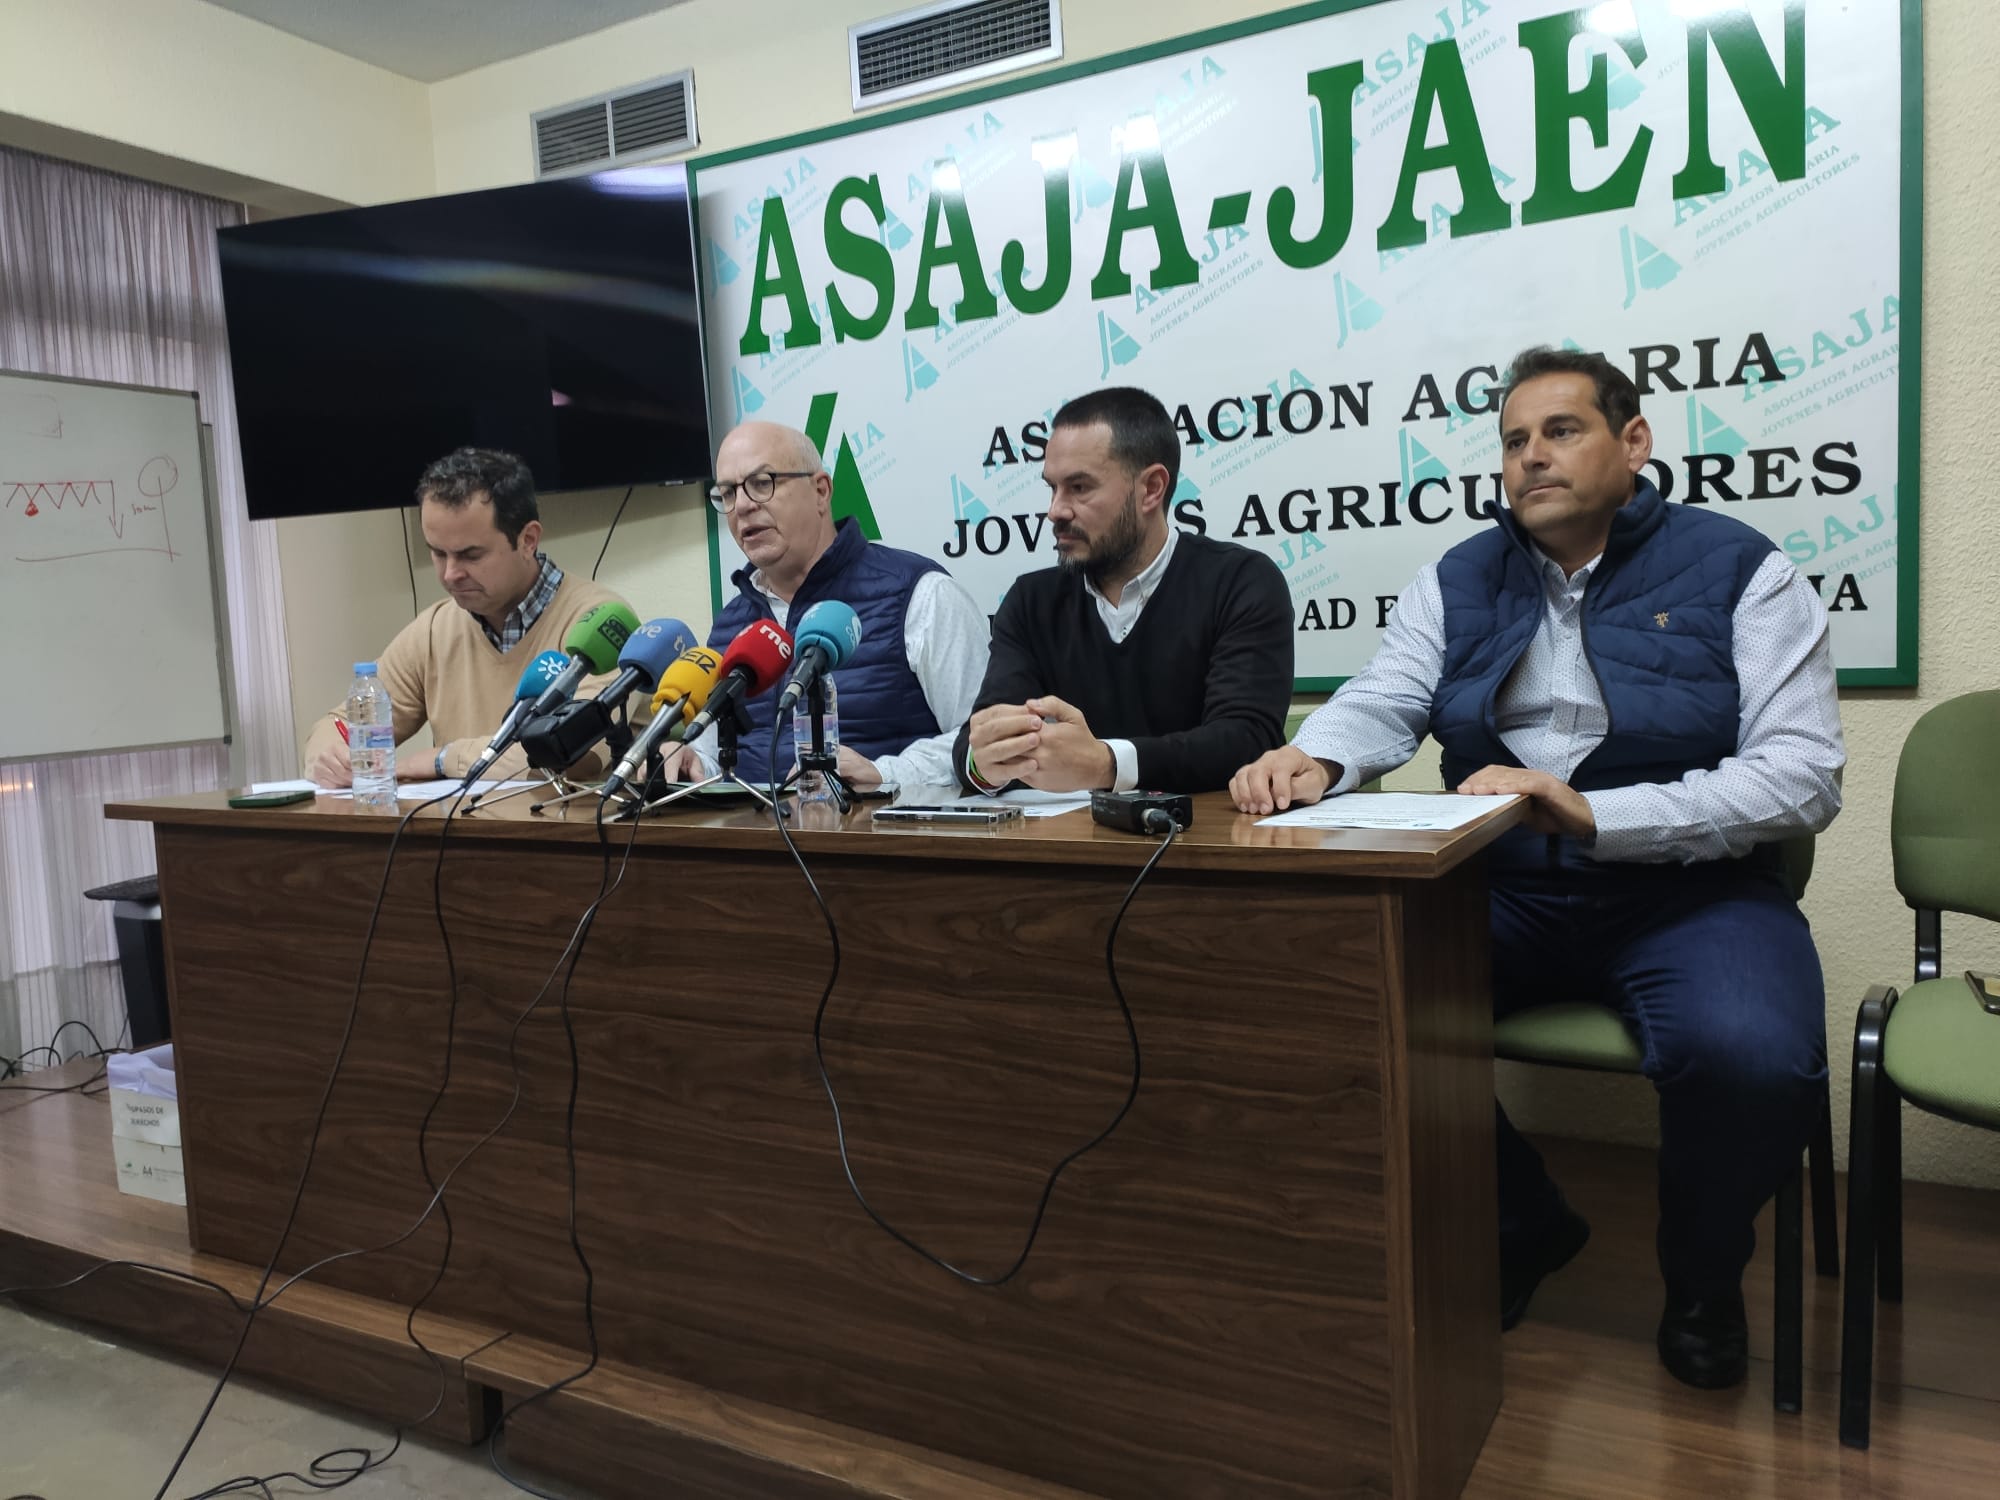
(341, 725)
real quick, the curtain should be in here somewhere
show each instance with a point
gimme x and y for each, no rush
(107, 278)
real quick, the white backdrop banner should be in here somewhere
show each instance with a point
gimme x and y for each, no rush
(1319, 237)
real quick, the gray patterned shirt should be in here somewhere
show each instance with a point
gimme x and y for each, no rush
(1784, 778)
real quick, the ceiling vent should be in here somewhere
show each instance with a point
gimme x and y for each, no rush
(940, 46)
(633, 124)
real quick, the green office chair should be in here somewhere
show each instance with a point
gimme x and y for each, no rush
(1593, 1037)
(1937, 1045)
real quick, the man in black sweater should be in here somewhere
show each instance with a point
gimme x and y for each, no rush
(1175, 649)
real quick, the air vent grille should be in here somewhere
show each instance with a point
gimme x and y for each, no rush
(571, 138)
(939, 46)
(651, 119)
(648, 120)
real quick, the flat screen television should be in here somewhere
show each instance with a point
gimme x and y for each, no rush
(556, 320)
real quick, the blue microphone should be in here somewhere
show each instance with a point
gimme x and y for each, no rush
(648, 652)
(828, 634)
(535, 680)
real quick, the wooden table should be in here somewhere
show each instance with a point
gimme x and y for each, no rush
(1277, 1279)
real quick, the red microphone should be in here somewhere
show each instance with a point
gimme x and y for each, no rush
(754, 662)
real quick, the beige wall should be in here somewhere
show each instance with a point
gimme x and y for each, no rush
(209, 101)
(770, 67)
(763, 68)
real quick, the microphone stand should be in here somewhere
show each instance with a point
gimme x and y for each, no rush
(617, 733)
(819, 758)
(617, 740)
(729, 728)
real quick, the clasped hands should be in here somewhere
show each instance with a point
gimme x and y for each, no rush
(1043, 743)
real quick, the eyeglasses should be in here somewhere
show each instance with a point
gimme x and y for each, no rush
(760, 487)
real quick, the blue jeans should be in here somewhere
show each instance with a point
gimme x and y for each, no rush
(1714, 970)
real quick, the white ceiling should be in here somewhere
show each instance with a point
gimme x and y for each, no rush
(432, 39)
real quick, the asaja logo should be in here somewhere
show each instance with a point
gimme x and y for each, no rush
(1418, 462)
(1114, 345)
(1647, 266)
(1358, 311)
(1088, 188)
(1708, 433)
(747, 397)
(726, 269)
(919, 374)
(965, 504)
(895, 233)
(850, 490)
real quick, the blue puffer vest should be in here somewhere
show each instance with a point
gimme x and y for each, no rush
(882, 707)
(1657, 630)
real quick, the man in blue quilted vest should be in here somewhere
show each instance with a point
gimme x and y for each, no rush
(1655, 678)
(909, 684)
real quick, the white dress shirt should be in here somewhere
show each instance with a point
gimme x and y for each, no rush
(1119, 620)
(1784, 778)
(945, 639)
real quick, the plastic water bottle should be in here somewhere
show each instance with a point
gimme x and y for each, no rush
(371, 740)
(814, 791)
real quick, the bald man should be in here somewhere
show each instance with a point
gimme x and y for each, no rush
(911, 684)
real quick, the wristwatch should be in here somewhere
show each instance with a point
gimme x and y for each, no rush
(437, 764)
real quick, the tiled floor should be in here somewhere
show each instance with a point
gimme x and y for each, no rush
(82, 1418)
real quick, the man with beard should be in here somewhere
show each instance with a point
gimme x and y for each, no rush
(1149, 658)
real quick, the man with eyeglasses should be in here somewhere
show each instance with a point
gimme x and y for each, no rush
(909, 684)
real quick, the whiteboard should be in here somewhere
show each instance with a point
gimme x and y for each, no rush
(108, 598)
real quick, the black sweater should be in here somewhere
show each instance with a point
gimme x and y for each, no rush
(1201, 685)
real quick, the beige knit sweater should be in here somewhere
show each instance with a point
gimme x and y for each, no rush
(441, 668)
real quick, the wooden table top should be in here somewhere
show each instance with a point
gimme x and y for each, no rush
(1221, 839)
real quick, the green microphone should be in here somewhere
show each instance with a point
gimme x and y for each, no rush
(593, 644)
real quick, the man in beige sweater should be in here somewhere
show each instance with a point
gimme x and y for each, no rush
(457, 663)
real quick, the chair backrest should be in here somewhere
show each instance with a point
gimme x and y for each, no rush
(1944, 826)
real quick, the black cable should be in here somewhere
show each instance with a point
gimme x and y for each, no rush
(323, 1466)
(605, 886)
(10, 1066)
(305, 1171)
(607, 534)
(330, 1470)
(826, 1080)
(403, 525)
(83, 1088)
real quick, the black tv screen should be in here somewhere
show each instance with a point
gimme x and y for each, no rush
(557, 321)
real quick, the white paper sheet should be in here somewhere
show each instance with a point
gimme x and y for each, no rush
(423, 791)
(1422, 812)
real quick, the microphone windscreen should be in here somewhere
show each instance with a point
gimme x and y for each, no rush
(538, 674)
(688, 681)
(831, 626)
(763, 651)
(600, 633)
(654, 645)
